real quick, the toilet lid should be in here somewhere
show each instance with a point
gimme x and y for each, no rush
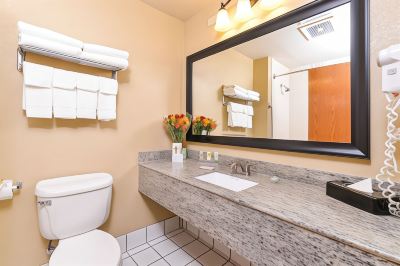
(94, 248)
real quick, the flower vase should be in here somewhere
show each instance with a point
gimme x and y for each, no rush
(177, 155)
(204, 133)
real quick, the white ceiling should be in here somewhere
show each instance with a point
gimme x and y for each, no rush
(182, 9)
(291, 49)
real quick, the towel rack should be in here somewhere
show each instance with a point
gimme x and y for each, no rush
(225, 102)
(21, 52)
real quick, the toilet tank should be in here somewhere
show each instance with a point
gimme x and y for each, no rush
(72, 205)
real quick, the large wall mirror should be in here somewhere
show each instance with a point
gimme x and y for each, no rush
(297, 83)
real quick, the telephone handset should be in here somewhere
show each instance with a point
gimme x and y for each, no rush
(389, 60)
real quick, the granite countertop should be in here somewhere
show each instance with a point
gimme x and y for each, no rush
(301, 204)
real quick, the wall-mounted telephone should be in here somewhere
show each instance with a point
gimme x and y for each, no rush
(389, 60)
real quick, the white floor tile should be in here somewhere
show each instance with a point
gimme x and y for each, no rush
(193, 230)
(157, 240)
(171, 224)
(136, 238)
(166, 247)
(211, 259)
(138, 249)
(194, 263)
(182, 239)
(221, 249)
(239, 260)
(155, 230)
(122, 243)
(178, 258)
(128, 262)
(206, 239)
(161, 262)
(124, 255)
(146, 257)
(174, 233)
(196, 249)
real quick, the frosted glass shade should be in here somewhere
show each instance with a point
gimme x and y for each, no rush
(223, 21)
(243, 10)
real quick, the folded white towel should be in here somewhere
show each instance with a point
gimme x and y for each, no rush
(37, 90)
(236, 108)
(237, 120)
(107, 102)
(249, 110)
(26, 40)
(48, 34)
(253, 93)
(249, 121)
(241, 93)
(104, 50)
(105, 59)
(86, 100)
(64, 94)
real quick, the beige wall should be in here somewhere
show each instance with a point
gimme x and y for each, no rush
(33, 149)
(210, 74)
(384, 31)
(261, 84)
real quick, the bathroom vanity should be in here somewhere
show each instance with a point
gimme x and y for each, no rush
(291, 222)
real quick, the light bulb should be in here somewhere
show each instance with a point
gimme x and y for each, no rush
(243, 10)
(269, 4)
(223, 22)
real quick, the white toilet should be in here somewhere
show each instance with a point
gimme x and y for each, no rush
(70, 209)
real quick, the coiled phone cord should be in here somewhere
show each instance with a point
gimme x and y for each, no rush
(390, 168)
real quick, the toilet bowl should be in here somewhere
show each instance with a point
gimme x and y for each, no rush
(70, 209)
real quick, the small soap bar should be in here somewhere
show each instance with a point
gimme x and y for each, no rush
(207, 167)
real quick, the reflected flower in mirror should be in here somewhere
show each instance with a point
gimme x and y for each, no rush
(203, 125)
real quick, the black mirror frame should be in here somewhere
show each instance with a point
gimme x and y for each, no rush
(360, 83)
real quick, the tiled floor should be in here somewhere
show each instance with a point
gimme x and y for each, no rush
(178, 248)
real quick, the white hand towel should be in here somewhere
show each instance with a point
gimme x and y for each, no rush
(37, 90)
(26, 40)
(107, 103)
(249, 121)
(236, 108)
(104, 50)
(249, 110)
(64, 94)
(237, 120)
(105, 59)
(48, 34)
(86, 99)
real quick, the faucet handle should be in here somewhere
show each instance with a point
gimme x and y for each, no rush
(248, 169)
(234, 168)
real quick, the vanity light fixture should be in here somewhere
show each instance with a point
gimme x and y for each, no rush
(269, 4)
(243, 12)
(223, 22)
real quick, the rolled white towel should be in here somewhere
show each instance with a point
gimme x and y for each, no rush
(26, 40)
(38, 98)
(64, 94)
(105, 59)
(107, 101)
(104, 50)
(86, 100)
(48, 34)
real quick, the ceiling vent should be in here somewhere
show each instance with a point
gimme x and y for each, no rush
(316, 29)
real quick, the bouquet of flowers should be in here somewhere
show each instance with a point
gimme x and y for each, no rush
(177, 126)
(201, 123)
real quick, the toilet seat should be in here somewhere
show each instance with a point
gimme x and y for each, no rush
(94, 248)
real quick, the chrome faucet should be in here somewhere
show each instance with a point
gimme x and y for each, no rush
(244, 170)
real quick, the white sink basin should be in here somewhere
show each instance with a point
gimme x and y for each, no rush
(226, 181)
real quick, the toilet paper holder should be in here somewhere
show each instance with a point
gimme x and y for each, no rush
(7, 188)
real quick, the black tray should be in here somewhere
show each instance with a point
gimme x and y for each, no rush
(373, 203)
